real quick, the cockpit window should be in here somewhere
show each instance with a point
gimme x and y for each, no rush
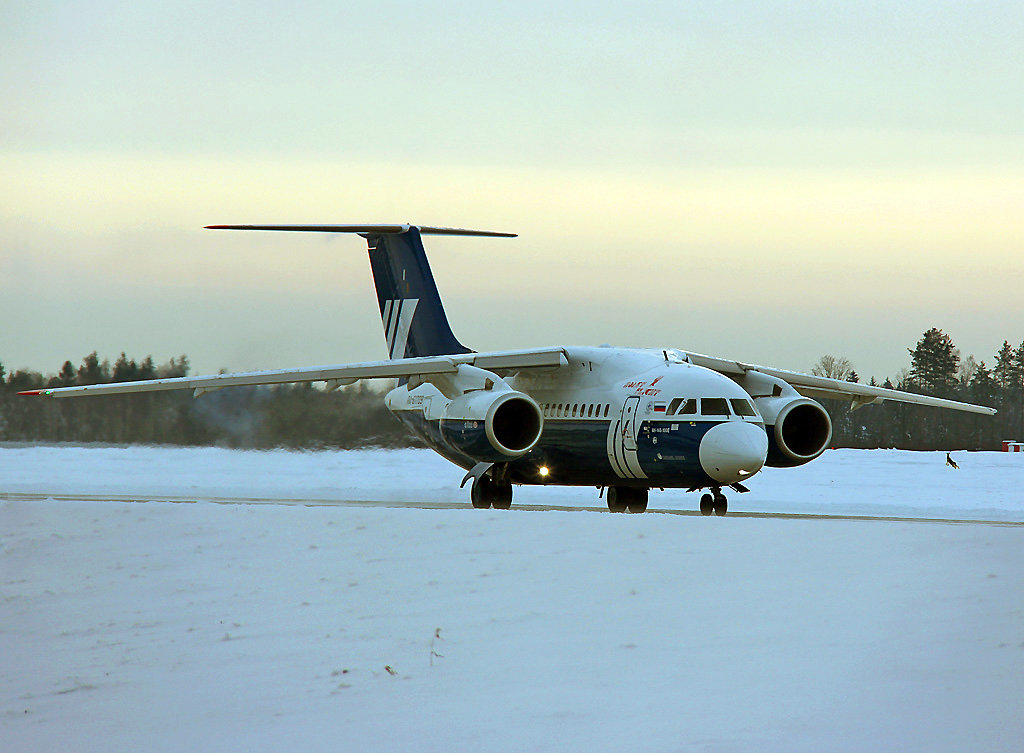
(742, 407)
(688, 408)
(714, 406)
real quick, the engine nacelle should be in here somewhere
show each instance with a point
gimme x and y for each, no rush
(492, 425)
(799, 429)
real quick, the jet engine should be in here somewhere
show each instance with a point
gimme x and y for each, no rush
(492, 425)
(799, 429)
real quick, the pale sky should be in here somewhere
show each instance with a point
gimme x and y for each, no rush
(763, 181)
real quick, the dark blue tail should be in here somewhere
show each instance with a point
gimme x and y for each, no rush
(410, 306)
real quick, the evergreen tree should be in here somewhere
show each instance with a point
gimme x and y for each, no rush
(125, 370)
(66, 377)
(92, 371)
(1017, 368)
(934, 363)
(147, 369)
(1003, 372)
(983, 387)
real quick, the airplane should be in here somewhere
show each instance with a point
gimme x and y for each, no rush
(624, 420)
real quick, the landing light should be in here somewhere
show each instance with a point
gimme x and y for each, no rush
(743, 472)
(543, 470)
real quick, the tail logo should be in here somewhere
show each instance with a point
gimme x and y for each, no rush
(397, 317)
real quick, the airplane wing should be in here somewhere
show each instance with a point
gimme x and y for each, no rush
(812, 386)
(500, 362)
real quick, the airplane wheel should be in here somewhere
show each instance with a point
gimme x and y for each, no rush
(481, 495)
(707, 504)
(637, 501)
(618, 498)
(721, 504)
(502, 496)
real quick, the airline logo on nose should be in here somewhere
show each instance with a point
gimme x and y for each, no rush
(397, 317)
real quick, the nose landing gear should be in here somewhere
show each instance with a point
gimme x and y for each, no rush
(714, 503)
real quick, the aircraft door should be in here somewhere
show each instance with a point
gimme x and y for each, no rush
(630, 423)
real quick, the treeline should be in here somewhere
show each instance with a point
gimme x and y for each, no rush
(304, 416)
(937, 369)
(297, 416)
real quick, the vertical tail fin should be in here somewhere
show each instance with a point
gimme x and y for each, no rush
(410, 306)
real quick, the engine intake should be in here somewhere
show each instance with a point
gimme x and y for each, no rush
(799, 430)
(492, 426)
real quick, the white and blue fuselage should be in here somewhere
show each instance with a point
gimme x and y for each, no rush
(611, 417)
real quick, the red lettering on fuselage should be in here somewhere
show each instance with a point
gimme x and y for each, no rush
(641, 388)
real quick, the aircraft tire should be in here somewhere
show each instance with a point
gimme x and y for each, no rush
(502, 499)
(481, 494)
(707, 504)
(721, 504)
(637, 501)
(618, 498)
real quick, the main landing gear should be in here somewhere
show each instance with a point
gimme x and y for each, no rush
(487, 492)
(623, 498)
(714, 503)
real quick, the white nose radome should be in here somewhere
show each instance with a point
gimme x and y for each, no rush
(733, 451)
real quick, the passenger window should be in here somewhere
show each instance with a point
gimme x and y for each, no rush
(590, 411)
(742, 407)
(574, 410)
(689, 408)
(607, 407)
(714, 406)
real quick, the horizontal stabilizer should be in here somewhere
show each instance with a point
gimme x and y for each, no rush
(365, 229)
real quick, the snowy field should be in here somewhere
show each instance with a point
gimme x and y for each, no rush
(153, 626)
(988, 485)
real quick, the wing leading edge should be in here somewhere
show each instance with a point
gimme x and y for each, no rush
(500, 362)
(835, 389)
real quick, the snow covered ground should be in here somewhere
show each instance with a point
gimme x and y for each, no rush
(169, 627)
(988, 485)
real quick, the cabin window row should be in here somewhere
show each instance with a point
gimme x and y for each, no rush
(575, 410)
(710, 406)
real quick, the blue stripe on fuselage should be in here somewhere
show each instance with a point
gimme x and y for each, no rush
(575, 452)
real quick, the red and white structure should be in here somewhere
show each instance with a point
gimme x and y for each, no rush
(1010, 445)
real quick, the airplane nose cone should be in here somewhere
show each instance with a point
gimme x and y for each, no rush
(733, 451)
